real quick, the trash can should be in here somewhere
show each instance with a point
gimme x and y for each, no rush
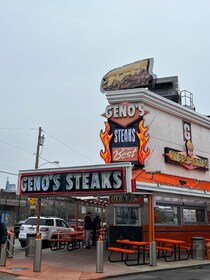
(198, 248)
(30, 244)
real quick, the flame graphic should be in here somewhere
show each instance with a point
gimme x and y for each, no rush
(143, 139)
(106, 138)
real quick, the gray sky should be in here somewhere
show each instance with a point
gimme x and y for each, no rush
(53, 55)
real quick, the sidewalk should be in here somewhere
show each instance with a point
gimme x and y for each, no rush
(79, 264)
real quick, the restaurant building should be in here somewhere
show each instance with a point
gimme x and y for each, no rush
(156, 179)
(153, 125)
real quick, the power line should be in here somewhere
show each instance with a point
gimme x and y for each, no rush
(11, 145)
(1, 171)
(68, 146)
(17, 128)
(34, 154)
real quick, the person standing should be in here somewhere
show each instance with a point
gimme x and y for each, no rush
(88, 227)
(3, 233)
(96, 226)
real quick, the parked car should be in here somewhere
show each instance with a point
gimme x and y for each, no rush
(17, 228)
(72, 224)
(47, 226)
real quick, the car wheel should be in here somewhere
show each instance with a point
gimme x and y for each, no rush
(46, 244)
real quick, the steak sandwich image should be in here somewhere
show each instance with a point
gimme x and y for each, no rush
(133, 75)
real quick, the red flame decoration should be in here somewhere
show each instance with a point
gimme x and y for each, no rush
(106, 138)
(143, 139)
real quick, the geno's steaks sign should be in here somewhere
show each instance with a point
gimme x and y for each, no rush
(73, 181)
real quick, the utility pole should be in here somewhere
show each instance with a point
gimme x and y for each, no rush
(40, 143)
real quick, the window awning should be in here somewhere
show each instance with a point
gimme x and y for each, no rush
(159, 182)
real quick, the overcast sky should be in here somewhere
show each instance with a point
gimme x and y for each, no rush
(53, 55)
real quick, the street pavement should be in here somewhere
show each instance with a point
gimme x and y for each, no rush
(81, 265)
(5, 276)
(189, 273)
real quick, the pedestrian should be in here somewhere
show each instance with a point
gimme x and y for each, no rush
(3, 233)
(88, 227)
(96, 226)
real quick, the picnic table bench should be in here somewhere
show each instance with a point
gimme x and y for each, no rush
(71, 240)
(123, 256)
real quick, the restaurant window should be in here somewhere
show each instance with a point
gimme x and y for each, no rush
(193, 215)
(167, 215)
(127, 215)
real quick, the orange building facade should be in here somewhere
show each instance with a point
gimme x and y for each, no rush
(167, 143)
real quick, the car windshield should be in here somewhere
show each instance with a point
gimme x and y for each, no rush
(19, 223)
(32, 221)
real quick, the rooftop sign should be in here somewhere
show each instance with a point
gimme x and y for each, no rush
(134, 75)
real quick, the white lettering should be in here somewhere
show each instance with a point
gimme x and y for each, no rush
(117, 179)
(124, 110)
(45, 183)
(69, 181)
(95, 183)
(77, 177)
(57, 183)
(108, 111)
(127, 135)
(85, 181)
(37, 183)
(24, 184)
(106, 180)
(131, 110)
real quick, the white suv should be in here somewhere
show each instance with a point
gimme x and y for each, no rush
(46, 227)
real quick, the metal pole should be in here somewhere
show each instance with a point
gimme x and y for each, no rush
(37, 255)
(152, 256)
(152, 245)
(11, 245)
(3, 254)
(99, 255)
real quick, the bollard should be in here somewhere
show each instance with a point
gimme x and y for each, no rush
(37, 255)
(30, 244)
(3, 254)
(99, 255)
(11, 244)
(152, 256)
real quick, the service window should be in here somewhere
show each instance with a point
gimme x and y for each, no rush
(127, 215)
(193, 215)
(167, 215)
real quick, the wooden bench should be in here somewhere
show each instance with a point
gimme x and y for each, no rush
(122, 251)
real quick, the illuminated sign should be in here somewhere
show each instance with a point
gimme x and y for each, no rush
(187, 134)
(125, 136)
(186, 159)
(76, 181)
(127, 199)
